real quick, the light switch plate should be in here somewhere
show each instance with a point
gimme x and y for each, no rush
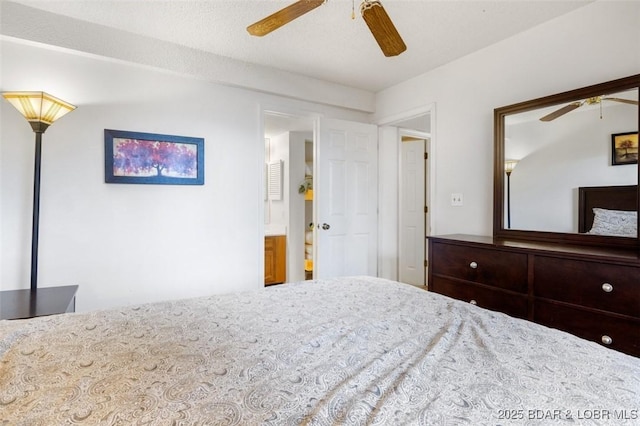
(456, 199)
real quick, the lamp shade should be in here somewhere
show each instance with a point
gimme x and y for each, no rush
(509, 165)
(39, 108)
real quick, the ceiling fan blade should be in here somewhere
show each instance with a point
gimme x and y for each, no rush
(382, 28)
(562, 111)
(282, 17)
(626, 101)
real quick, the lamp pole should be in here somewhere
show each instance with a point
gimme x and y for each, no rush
(509, 199)
(35, 226)
(509, 165)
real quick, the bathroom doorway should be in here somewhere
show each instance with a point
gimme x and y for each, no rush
(288, 199)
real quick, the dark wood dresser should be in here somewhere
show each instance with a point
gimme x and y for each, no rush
(591, 292)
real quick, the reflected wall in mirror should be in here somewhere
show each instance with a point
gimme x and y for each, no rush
(548, 148)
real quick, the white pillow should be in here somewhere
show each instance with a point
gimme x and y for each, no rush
(620, 223)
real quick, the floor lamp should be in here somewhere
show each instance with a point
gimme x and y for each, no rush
(41, 110)
(509, 165)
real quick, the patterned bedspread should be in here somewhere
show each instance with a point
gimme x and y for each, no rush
(348, 351)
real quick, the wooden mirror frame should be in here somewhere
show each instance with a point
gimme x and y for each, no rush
(499, 231)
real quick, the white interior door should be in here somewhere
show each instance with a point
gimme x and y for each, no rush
(345, 190)
(412, 215)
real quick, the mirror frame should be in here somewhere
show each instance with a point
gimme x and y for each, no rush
(499, 230)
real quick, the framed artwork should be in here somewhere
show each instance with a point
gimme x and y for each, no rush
(624, 148)
(133, 157)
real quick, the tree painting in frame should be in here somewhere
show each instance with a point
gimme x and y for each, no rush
(133, 157)
(624, 148)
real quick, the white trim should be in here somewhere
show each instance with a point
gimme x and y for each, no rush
(407, 115)
(261, 200)
(414, 133)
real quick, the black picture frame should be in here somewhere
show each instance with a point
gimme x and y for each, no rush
(150, 158)
(624, 148)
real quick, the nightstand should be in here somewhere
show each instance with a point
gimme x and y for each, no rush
(19, 304)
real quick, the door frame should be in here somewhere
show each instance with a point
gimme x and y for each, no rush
(431, 190)
(314, 117)
(425, 137)
(294, 114)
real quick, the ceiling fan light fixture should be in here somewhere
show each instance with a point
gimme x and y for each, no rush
(589, 101)
(372, 12)
(382, 28)
(594, 100)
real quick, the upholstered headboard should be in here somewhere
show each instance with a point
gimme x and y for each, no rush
(607, 197)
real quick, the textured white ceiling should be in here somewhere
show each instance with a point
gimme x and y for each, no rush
(325, 43)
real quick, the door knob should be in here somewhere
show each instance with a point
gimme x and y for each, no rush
(326, 226)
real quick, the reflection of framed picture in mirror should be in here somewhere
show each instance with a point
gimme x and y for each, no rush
(624, 148)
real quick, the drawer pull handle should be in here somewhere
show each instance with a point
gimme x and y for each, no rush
(607, 287)
(473, 265)
(473, 302)
(607, 340)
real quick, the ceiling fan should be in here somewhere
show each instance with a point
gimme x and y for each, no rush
(372, 12)
(589, 101)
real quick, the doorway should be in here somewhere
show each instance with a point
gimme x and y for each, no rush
(288, 199)
(343, 207)
(405, 236)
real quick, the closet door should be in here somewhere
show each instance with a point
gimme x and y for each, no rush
(412, 212)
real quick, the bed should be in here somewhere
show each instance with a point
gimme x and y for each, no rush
(608, 210)
(346, 351)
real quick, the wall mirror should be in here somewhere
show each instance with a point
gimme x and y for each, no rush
(555, 157)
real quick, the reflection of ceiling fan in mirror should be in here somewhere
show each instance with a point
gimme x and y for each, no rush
(372, 12)
(589, 101)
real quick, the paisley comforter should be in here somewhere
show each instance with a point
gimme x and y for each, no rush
(349, 351)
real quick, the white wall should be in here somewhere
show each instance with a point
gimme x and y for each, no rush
(388, 185)
(133, 243)
(596, 43)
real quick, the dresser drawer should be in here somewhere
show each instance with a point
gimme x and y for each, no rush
(602, 286)
(622, 332)
(497, 268)
(493, 299)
